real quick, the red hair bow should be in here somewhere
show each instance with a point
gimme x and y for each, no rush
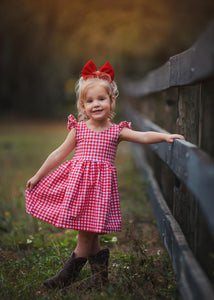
(90, 71)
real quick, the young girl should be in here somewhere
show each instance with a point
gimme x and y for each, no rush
(82, 193)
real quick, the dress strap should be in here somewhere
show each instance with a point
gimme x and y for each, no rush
(72, 122)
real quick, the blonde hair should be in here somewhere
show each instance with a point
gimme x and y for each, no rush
(83, 85)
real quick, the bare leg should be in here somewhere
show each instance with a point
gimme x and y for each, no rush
(95, 246)
(87, 244)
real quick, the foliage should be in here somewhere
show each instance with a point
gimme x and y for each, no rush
(44, 44)
(32, 250)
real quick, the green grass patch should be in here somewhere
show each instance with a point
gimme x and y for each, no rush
(32, 250)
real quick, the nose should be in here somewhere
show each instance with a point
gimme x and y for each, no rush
(96, 103)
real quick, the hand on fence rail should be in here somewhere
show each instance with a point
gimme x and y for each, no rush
(171, 137)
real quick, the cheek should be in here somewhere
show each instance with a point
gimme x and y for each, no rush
(87, 108)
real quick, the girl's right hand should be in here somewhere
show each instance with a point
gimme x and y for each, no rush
(32, 182)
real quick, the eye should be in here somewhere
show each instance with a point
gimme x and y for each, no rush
(89, 101)
(101, 99)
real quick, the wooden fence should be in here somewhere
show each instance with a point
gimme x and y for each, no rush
(179, 96)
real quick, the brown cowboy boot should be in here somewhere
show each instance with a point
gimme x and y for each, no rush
(99, 268)
(68, 273)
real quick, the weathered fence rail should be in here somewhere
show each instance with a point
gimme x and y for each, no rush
(192, 281)
(190, 66)
(188, 163)
(181, 175)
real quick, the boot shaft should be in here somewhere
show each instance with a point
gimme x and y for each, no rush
(99, 268)
(68, 273)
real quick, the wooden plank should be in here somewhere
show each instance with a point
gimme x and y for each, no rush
(188, 113)
(192, 282)
(190, 164)
(188, 67)
(207, 113)
(185, 206)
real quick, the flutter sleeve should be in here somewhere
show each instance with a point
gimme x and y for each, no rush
(124, 124)
(72, 122)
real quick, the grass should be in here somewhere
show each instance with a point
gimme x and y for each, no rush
(32, 250)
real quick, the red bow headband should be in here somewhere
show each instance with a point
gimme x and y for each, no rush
(90, 71)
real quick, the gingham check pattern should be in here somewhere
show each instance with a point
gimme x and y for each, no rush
(82, 193)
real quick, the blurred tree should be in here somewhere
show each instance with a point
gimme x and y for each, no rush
(44, 43)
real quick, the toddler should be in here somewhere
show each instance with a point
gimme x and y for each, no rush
(82, 193)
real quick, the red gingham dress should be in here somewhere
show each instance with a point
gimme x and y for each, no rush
(82, 193)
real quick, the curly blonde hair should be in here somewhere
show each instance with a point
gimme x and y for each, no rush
(81, 89)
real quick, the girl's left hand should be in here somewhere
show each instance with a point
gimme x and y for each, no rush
(171, 137)
(32, 182)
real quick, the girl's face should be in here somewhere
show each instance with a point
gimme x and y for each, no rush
(97, 104)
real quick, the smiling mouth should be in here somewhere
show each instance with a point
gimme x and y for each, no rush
(97, 110)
